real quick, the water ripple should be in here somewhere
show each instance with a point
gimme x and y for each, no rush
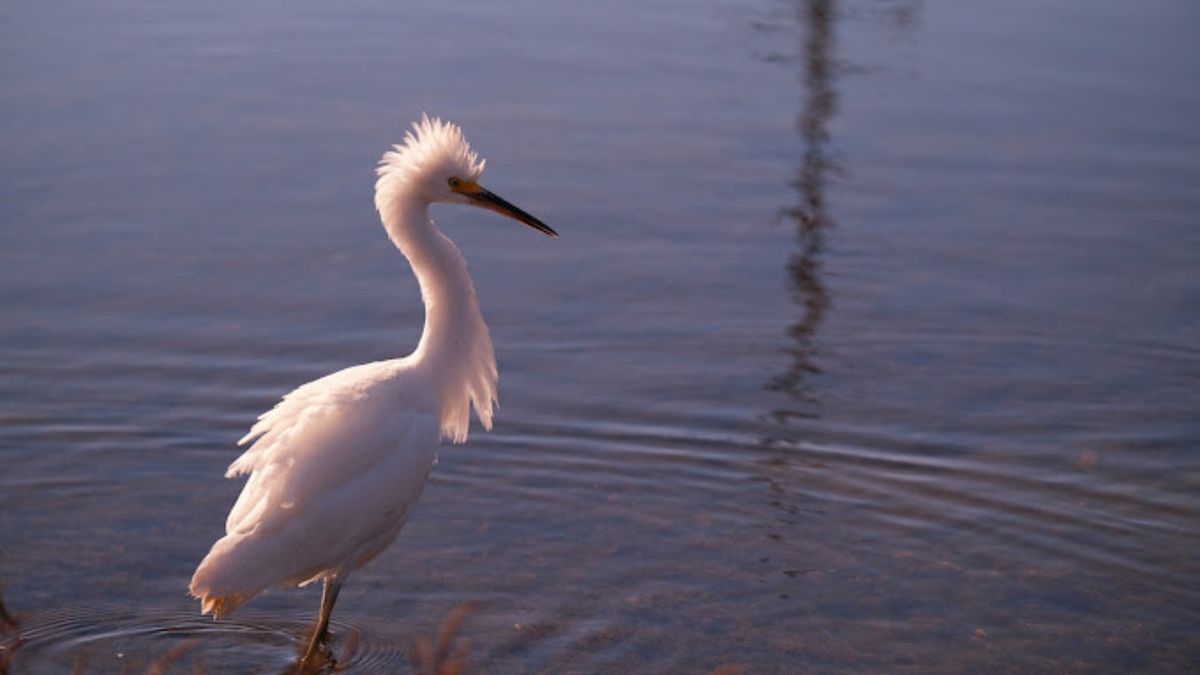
(106, 639)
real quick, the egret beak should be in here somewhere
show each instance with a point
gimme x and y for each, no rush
(487, 200)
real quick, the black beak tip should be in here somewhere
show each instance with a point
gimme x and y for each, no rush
(490, 200)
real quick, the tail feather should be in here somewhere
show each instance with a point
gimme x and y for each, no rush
(224, 581)
(238, 568)
(221, 606)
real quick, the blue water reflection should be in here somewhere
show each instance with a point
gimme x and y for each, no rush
(870, 343)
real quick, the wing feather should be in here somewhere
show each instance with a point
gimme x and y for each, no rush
(334, 470)
(320, 436)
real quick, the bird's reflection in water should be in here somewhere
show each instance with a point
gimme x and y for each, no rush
(323, 660)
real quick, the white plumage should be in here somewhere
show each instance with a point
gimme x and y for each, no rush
(337, 465)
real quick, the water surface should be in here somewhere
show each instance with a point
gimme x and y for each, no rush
(872, 341)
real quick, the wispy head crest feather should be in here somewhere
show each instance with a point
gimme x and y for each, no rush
(433, 148)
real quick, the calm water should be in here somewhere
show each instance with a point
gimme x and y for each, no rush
(872, 342)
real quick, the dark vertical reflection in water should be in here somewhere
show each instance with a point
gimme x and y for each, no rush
(810, 215)
(811, 218)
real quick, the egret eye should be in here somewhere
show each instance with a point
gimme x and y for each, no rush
(454, 182)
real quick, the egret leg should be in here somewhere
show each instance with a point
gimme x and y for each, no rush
(328, 596)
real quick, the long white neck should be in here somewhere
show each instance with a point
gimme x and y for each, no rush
(455, 350)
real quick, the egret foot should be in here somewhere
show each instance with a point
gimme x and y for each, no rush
(312, 655)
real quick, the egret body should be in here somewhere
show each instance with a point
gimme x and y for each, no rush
(336, 467)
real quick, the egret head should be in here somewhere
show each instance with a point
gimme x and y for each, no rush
(436, 163)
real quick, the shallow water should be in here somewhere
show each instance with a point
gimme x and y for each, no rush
(872, 341)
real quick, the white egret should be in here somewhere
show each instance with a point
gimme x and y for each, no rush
(336, 467)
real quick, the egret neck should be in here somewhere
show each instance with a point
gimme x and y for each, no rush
(455, 341)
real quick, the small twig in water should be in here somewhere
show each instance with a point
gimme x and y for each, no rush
(8, 626)
(160, 665)
(446, 656)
